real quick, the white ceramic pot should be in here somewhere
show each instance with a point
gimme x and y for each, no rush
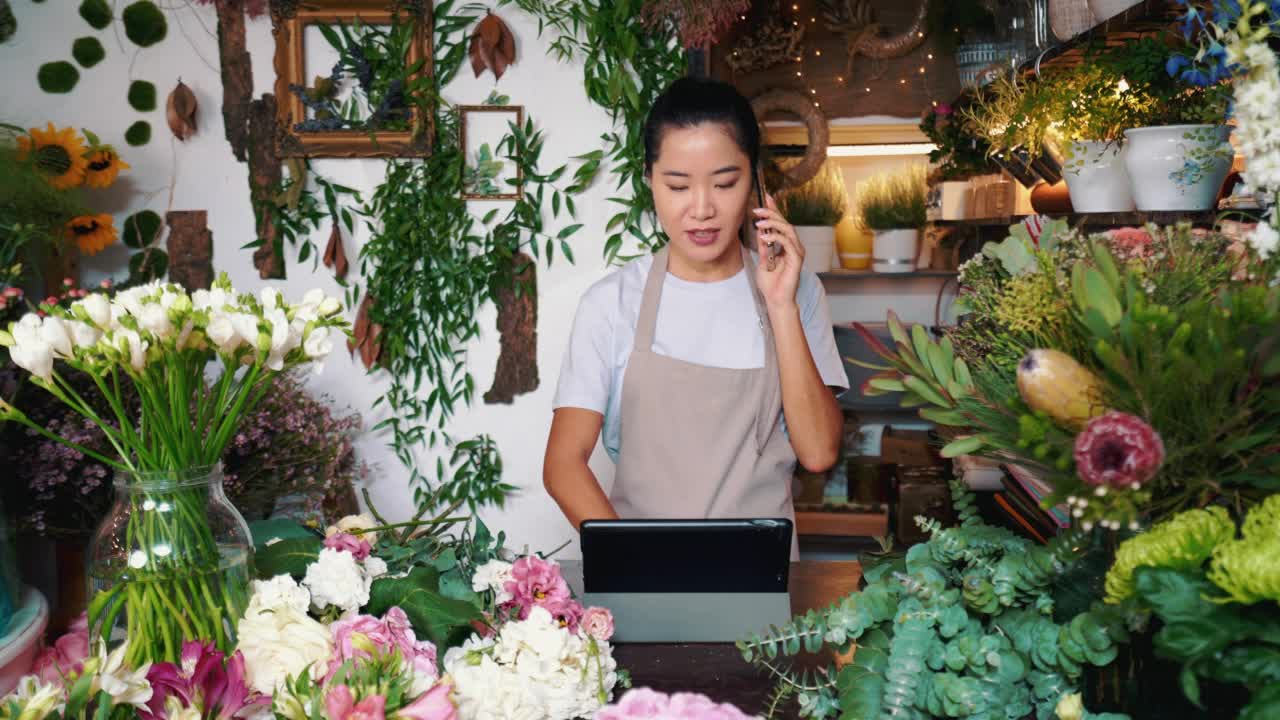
(1177, 167)
(894, 251)
(1096, 177)
(819, 243)
(1103, 9)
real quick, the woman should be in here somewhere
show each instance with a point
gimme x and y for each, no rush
(710, 373)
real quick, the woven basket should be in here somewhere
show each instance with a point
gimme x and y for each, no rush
(1068, 18)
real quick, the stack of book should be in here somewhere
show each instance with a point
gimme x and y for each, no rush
(1020, 504)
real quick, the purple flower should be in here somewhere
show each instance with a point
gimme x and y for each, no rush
(1118, 450)
(347, 542)
(205, 680)
(646, 704)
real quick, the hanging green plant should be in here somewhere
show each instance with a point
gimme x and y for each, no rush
(96, 12)
(142, 96)
(57, 77)
(88, 51)
(8, 23)
(138, 133)
(144, 23)
(141, 229)
(147, 265)
(625, 65)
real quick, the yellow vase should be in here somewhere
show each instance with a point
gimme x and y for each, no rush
(854, 245)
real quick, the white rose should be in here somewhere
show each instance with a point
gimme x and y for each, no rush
(337, 579)
(155, 319)
(282, 643)
(98, 308)
(279, 592)
(318, 345)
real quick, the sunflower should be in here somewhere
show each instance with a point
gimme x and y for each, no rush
(104, 165)
(91, 232)
(58, 155)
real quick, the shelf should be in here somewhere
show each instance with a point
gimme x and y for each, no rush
(1120, 219)
(872, 275)
(842, 524)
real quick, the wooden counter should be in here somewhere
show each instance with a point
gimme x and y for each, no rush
(717, 670)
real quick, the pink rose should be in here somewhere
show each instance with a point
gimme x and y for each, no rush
(644, 704)
(434, 704)
(598, 623)
(66, 655)
(339, 704)
(418, 653)
(349, 543)
(535, 581)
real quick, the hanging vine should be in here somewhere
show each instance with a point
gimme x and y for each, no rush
(624, 67)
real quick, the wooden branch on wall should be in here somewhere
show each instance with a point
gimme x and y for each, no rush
(517, 371)
(237, 74)
(190, 246)
(264, 181)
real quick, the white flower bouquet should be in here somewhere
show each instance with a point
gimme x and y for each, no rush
(166, 577)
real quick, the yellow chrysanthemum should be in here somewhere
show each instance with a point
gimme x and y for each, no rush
(91, 232)
(58, 154)
(104, 166)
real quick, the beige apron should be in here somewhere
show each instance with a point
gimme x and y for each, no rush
(698, 441)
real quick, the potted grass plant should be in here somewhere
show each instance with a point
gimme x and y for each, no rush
(892, 206)
(815, 208)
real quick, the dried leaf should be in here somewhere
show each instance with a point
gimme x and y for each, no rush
(334, 255)
(180, 111)
(493, 46)
(361, 331)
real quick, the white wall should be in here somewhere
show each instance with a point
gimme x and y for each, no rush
(203, 174)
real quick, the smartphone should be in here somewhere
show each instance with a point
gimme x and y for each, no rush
(773, 246)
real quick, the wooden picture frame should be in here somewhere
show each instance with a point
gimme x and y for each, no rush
(289, 24)
(463, 112)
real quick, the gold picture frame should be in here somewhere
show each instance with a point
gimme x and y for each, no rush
(469, 110)
(289, 28)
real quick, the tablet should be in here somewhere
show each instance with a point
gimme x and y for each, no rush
(686, 556)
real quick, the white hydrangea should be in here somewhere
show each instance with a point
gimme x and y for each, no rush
(532, 669)
(493, 576)
(278, 593)
(1264, 239)
(336, 578)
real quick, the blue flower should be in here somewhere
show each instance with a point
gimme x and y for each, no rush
(1175, 64)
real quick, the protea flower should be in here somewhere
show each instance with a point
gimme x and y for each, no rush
(1118, 450)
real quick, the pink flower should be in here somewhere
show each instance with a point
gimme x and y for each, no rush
(1118, 450)
(535, 581)
(66, 655)
(643, 703)
(568, 612)
(434, 704)
(205, 679)
(598, 623)
(1130, 243)
(339, 704)
(942, 109)
(418, 653)
(349, 543)
(353, 639)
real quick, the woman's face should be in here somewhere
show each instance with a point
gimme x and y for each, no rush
(701, 184)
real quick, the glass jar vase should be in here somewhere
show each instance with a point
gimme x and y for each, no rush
(170, 563)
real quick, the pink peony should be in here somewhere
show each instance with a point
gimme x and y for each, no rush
(349, 543)
(643, 703)
(1118, 450)
(434, 704)
(66, 655)
(598, 623)
(568, 613)
(339, 704)
(535, 581)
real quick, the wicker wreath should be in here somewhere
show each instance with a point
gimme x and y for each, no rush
(819, 135)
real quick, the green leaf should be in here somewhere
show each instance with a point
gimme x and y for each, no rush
(138, 133)
(57, 77)
(144, 23)
(149, 264)
(887, 384)
(445, 621)
(287, 557)
(963, 446)
(142, 96)
(96, 12)
(87, 51)
(141, 229)
(949, 418)
(925, 390)
(1102, 297)
(263, 531)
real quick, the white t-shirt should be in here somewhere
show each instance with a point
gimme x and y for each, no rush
(712, 324)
